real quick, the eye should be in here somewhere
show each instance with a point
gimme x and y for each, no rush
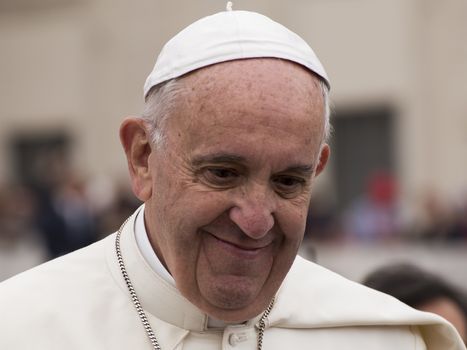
(288, 186)
(220, 177)
(222, 173)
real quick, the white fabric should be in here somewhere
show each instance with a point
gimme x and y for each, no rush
(227, 36)
(80, 301)
(145, 247)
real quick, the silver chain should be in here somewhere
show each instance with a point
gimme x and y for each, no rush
(134, 297)
(142, 314)
(262, 324)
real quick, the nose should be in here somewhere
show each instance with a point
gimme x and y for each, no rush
(253, 214)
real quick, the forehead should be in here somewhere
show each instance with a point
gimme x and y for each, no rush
(250, 100)
(260, 78)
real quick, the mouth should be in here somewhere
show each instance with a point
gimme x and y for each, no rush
(245, 251)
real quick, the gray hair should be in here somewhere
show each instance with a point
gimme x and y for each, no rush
(327, 111)
(160, 104)
(162, 100)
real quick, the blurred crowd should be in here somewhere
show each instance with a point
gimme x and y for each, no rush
(378, 214)
(66, 215)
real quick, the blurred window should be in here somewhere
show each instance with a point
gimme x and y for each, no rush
(362, 144)
(37, 158)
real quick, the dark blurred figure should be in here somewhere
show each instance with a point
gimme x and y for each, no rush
(436, 218)
(440, 220)
(124, 203)
(17, 208)
(321, 222)
(64, 217)
(458, 229)
(422, 290)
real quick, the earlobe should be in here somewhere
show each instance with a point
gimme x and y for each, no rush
(323, 158)
(135, 139)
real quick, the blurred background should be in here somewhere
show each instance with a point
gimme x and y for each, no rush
(396, 188)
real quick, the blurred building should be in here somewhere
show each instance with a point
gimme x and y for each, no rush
(72, 69)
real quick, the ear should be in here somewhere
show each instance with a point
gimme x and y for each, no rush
(323, 158)
(136, 141)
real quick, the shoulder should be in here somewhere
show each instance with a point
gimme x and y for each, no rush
(76, 301)
(52, 291)
(337, 298)
(313, 297)
(62, 271)
(350, 337)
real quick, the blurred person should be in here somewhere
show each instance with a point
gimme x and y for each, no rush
(111, 202)
(458, 229)
(74, 208)
(375, 215)
(17, 208)
(321, 222)
(422, 290)
(64, 216)
(224, 157)
(435, 218)
(123, 205)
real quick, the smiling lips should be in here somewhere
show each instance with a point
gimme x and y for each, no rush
(244, 251)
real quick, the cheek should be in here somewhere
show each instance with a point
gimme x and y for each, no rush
(181, 219)
(201, 207)
(291, 221)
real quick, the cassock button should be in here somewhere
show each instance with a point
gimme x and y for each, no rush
(233, 339)
(236, 338)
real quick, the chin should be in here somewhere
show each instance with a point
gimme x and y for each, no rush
(235, 315)
(234, 302)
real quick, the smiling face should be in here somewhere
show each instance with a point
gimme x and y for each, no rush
(228, 194)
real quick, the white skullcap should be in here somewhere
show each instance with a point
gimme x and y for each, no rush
(227, 36)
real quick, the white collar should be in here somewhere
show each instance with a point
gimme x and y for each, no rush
(145, 247)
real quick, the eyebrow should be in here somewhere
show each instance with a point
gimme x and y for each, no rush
(217, 158)
(300, 169)
(220, 158)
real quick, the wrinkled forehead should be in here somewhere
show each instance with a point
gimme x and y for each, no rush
(249, 94)
(265, 81)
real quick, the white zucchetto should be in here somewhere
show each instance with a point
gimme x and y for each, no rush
(226, 36)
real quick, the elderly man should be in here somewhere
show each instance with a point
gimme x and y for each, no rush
(224, 158)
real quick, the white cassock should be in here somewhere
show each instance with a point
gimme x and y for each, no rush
(80, 301)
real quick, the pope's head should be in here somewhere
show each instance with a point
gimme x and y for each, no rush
(225, 158)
